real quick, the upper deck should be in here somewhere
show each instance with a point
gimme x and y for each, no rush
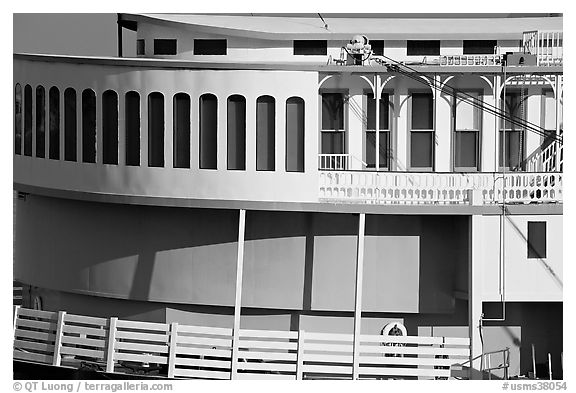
(160, 132)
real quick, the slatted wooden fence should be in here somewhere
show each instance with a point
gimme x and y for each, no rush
(181, 351)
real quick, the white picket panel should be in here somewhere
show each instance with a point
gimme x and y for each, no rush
(96, 354)
(260, 376)
(204, 374)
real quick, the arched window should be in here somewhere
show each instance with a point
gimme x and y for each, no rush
(265, 133)
(18, 119)
(28, 120)
(155, 130)
(181, 109)
(208, 131)
(236, 134)
(40, 122)
(295, 134)
(70, 124)
(132, 116)
(110, 127)
(54, 123)
(88, 126)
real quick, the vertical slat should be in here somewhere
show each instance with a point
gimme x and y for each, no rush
(111, 342)
(549, 366)
(358, 303)
(172, 349)
(238, 297)
(58, 341)
(16, 310)
(300, 354)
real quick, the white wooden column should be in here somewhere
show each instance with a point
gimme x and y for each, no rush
(474, 292)
(358, 296)
(238, 296)
(496, 88)
(558, 92)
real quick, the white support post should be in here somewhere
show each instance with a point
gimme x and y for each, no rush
(558, 95)
(16, 310)
(358, 296)
(300, 355)
(111, 342)
(58, 342)
(238, 296)
(496, 94)
(377, 130)
(172, 349)
(474, 292)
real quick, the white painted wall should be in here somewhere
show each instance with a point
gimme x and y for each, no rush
(524, 279)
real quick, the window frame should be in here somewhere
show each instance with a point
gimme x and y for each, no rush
(40, 121)
(181, 135)
(206, 157)
(270, 135)
(299, 100)
(238, 151)
(411, 131)
(455, 131)
(156, 146)
(388, 131)
(502, 126)
(343, 133)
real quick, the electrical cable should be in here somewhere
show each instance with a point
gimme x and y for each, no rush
(485, 107)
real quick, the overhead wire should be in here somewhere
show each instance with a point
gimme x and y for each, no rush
(485, 107)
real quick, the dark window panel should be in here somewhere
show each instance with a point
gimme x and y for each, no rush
(265, 133)
(236, 133)
(208, 131)
(295, 134)
(132, 116)
(88, 126)
(536, 239)
(384, 152)
(70, 128)
(384, 112)
(54, 123)
(310, 47)
(466, 149)
(332, 111)
(40, 122)
(423, 48)
(140, 47)
(181, 130)
(333, 142)
(210, 47)
(479, 47)
(155, 130)
(377, 47)
(110, 127)
(28, 120)
(163, 46)
(514, 149)
(422, 111)
(18, 119)
(421, 147)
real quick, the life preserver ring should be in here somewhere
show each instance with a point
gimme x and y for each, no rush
(398, 325)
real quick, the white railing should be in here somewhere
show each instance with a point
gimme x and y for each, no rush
(181, 351)
(546, 45)
(342, 162)
(471, 60)
(439, 188)
(544, 160)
